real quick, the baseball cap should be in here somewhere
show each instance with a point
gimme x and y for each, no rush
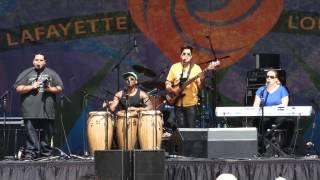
(127, 74)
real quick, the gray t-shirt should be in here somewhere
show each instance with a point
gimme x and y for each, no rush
(38, 104)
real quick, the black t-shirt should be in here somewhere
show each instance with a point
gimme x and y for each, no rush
(37, 103)
(133, 101)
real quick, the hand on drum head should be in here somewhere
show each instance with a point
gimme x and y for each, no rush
(106, 105)
(134, 109)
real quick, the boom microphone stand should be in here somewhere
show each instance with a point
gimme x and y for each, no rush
(117, 66)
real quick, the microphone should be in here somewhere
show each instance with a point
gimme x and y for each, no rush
(152, 91)
(135, 45)
(267, 84)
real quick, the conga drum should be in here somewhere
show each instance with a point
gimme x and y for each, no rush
(130, 127)
(150, 130)
(99, 130)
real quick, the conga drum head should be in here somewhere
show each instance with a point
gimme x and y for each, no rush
(129, 113)
(150, 112)
(99, 113)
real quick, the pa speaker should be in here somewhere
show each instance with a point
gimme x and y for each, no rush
(123, 165)
(189, 142)
(148, 165)
(214, 142)
(112, 164)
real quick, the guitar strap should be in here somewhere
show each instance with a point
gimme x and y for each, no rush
(191, 66)
(189, 71)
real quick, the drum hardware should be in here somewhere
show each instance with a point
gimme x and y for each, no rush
(153, 84)
(143, 70)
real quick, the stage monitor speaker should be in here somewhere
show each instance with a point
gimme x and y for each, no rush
(214, 142)
(123, 165)
(232, 142)
(189, 142)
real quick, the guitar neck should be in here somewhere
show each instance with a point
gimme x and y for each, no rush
(192, 79)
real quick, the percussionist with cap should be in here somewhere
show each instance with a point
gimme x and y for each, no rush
(130, 96)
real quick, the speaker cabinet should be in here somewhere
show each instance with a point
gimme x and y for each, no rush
(250, 95)
(189, 142)
(123, 165)
(215, 142)
(232, 142)
(267, 61)
(112, 164)
(148, 165)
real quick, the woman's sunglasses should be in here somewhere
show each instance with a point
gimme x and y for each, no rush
(272, 77)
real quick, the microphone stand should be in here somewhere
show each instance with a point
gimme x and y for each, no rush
(261, 125)
(129, 171)
(214, 82)
(263, 134)
(117, 66)
(84, 129)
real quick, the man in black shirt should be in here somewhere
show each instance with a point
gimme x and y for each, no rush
(131, 96)
(38, 86)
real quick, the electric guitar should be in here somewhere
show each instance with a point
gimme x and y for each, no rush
(173, 97)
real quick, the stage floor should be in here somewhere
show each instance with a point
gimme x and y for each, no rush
(178, 168)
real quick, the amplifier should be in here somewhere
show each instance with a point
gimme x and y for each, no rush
(258, 77)
(267, 61)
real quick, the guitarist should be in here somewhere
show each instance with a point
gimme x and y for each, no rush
(182, 92)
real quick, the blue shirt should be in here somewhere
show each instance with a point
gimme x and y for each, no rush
(274, 98)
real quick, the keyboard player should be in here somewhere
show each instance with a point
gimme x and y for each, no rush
(274, 94)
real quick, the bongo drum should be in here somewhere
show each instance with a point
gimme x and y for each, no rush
(99, 130)
(131, 125)
(150, 130)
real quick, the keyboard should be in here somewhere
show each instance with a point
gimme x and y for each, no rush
(247, 111)
(12, 121)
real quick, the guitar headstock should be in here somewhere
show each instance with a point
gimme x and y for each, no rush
(212, 65)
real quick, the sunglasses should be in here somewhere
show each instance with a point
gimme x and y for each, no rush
(130, 79)
(186, 54)
(272, 77)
